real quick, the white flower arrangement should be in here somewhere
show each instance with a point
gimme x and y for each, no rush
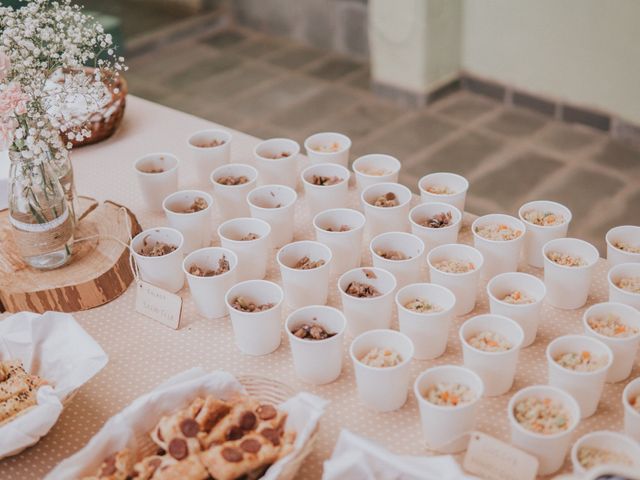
(44, 88)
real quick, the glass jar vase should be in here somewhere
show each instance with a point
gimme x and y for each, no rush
(39, 213)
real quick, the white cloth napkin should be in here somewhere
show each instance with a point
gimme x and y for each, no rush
(43, 343)
(125, 429)
(357, 458)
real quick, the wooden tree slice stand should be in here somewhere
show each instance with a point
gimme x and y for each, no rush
(98, 271)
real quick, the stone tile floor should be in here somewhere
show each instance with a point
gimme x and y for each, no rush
(272, 87)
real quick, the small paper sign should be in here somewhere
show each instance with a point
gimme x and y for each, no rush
(164, 307)
(492, 459)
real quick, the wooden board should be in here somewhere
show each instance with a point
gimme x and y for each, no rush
(98, 272)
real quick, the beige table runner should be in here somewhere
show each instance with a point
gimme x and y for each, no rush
(144, 353)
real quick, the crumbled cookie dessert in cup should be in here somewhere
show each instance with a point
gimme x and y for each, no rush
(249, 236)
(245, 305)
(566, 260)
(449, 394)
(581, 361)
(392, 255)
(635, 403)
(389, 199)
(488, 341)
(362, 290)
(341, 228)
(209, 143)
(454, 266)
(374, 172)
(381, 358)
(312, 331)
(323, 180)
(610, 325)
(223, 267)
(590, 457)
(305, 263)
(543, 218)
(155, 249)
(629, 284)
(152, 170)
(420, 305)
(544, 416)
(330, 148)
(197, 205)
(516, 297)
(439, 220)
(439, 190)
(277, 156)
(498, 231)
(232, 180)
(627, 247)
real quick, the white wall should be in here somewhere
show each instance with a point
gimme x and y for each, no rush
(585, 52)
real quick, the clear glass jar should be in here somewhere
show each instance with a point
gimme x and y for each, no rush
(39, 213)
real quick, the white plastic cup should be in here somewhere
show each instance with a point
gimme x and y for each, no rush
(429, 331)
(325, 197)
(585, 387)
(253, 255)
(316, 142)
(624, 348)
(463, 285)
(500, 255)
(457, 183)
(446, 429)
(207, 158)
(631, 415)
(537, 235)
(496, 369)
(209, 292)
(164, 271)
(368, 313)
(256, 333)
(317, 361)
(232, 199)
(305, 287)
(527, 315)
(262, 204)
(386, 219)
(155, 187)
(277, 171)
(606, 440)
(550, 450)
(432, 237)
(406, 271)
(616, 294)
(195, 227)
(375, 168)
(626, 233)
(568, 287)
(345, 246)
(382, 389)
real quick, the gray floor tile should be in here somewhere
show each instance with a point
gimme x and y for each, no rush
(565, 138)
(361, 80)
(461, 155)
(295, 57)
(619, 156)
(511, 181)
(224, 39)
(200, 70)
(276, 98)
(321, 105)
(581, 191)
(516, 123)
(364, 119)
(468, 107)
(407, 138)
(260, 47)
(265, 131)
(156, 67)
(627, 216)
(334, 68)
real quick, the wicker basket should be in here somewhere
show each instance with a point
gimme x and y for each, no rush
(104, 124)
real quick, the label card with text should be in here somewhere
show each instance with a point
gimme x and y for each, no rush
(492, 459)
(164, 307)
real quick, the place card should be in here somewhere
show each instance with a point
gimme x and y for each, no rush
(493, 459)
(154, 302)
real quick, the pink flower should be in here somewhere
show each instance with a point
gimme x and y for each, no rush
(5, 66)
(13, 100)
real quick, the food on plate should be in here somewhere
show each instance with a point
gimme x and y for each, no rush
(381, 358)
(498, 232)
(488, 341)
(18, 389)
(542, 415)
(449, 394)
(199, 271)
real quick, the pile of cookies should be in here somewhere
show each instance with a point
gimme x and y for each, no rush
(210, 438)
(18, 389)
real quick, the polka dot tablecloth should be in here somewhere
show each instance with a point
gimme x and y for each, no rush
(143, 353)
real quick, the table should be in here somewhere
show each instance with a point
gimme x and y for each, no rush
(143, 353)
